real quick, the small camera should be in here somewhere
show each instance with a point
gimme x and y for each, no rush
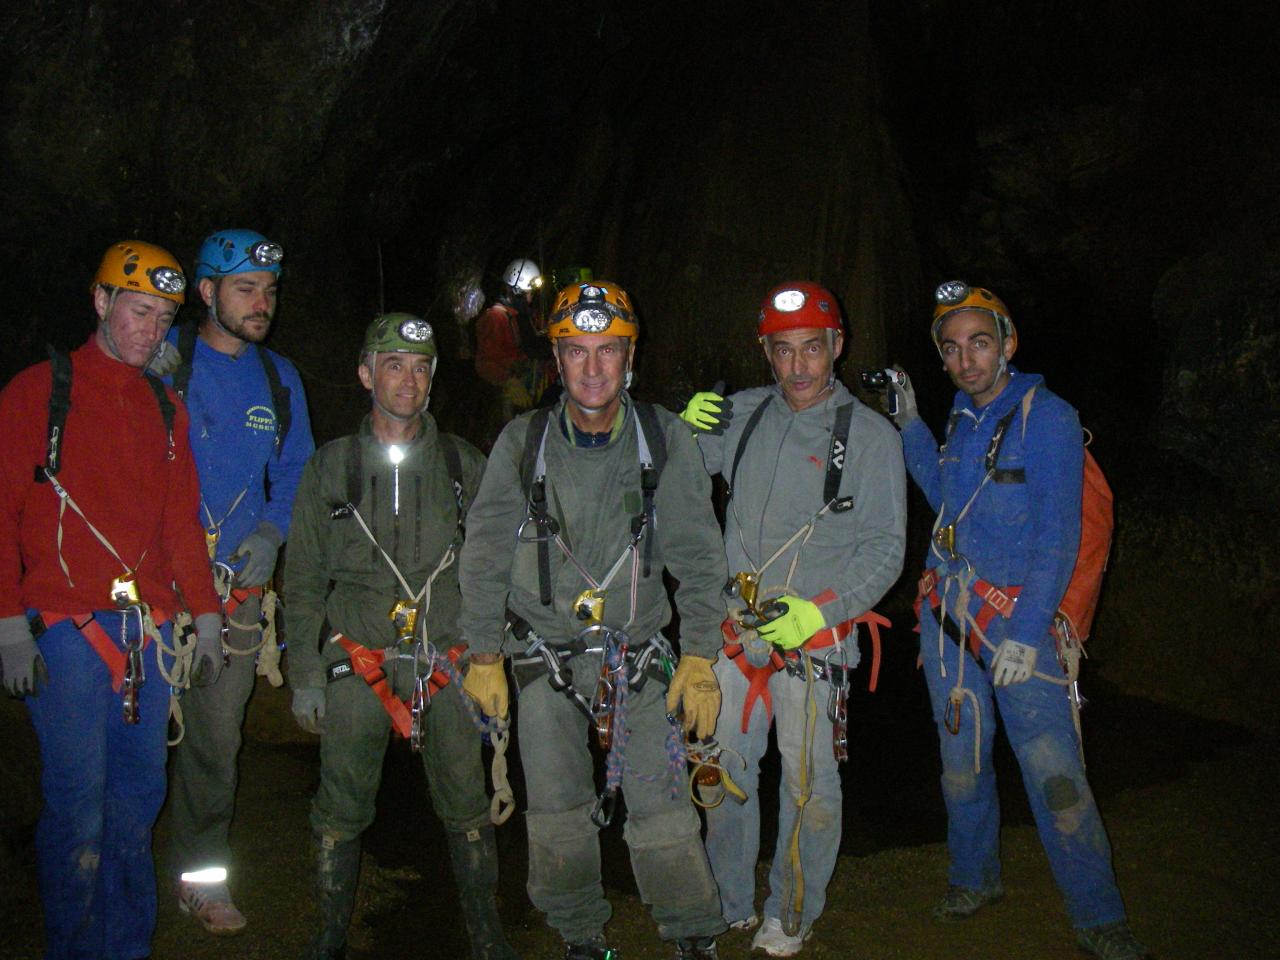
(880, 380)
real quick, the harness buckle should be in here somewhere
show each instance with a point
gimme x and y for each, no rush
(842, 505)
(342, 511)
(405, 617)
(589, 606)
(124, 591)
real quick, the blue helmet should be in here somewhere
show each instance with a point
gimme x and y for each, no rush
(237, 251)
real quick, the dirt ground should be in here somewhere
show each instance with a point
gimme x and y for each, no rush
(1186, 802)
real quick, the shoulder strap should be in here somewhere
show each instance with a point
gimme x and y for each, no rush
(835, 459)
(59, 407)
(355, 469)
(535, 491)
(187, 352)
(453, 466)
(279, 397)
(533, 440)
(993, 452)
(167, 409)
(653, 439)
(752, 422)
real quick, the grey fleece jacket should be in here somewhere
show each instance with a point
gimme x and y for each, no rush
(593, 493)
(853, 557)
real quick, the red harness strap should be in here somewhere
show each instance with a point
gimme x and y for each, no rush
(995, 600)
(108, 650)
(368, 663)
(758, 677)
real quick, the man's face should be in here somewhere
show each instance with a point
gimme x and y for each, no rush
(400, 383)
(802, 362)
(246, 302)
(130, 327)
(593, 367)
(972, 354)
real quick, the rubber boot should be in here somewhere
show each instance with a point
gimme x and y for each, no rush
(475, 868)
(337, 871)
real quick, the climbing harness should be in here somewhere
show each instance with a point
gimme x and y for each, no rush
(652, 452)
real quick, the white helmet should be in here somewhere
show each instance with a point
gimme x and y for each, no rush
(522, 275)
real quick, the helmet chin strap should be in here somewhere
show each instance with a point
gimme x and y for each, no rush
(217, 322)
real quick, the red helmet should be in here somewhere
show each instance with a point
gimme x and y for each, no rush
(802, 305)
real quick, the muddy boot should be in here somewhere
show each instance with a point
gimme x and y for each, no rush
(337, 870)
(475, 868)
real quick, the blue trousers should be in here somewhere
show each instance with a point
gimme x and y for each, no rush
(1037, 720)
(103, 783)
(733, 830)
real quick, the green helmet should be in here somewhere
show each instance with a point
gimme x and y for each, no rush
(400, 333)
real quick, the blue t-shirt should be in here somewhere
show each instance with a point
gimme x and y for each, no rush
(233, 436)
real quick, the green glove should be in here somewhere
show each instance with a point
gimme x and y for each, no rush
(708, 411)
(695, 692)
(486, 684)
(800, 619)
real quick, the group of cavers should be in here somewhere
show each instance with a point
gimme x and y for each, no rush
(151, 477)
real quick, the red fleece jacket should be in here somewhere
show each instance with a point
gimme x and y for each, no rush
(117, 466)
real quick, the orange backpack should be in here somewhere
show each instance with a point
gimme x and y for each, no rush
(1080, 602)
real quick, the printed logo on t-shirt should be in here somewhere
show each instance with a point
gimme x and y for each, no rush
(261, 418)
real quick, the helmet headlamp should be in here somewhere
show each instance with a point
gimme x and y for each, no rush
(789, 300)
(264, 253)
(951, 292)
(167, 280)
(416, 331)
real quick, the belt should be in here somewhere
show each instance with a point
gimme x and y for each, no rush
(108, 650)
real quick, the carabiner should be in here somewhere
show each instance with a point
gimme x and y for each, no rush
(951, 716)
(602, 812)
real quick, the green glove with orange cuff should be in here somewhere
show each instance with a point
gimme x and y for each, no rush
(798, 620)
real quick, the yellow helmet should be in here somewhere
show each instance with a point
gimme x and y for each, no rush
(956, 295)
(597, 306)
(143, 268)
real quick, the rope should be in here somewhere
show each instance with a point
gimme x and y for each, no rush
(269, 656)
(182, 651)
(793, 903)
(495, 729)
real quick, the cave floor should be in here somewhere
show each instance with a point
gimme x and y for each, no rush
(1187, 803)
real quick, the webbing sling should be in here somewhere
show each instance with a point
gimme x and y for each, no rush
(835, 453)
(60, 405)
(280, 395)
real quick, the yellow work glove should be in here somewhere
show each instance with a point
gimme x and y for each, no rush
(709, 412)
(486, 684)
(695, 685)
(799, 620)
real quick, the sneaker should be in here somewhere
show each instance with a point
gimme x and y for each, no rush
(593, 949)
(210, 903)
(1111, 941)
(697, 948)
(747, 923)
(960, 903)
(776, 942)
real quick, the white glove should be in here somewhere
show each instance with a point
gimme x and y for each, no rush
(905, 395)
(167, 359)
(1013, 663)
(206, 664)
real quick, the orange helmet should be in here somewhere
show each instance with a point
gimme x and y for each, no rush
(597, 306)
(143, 268)
(803, 305)
(956, 295)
